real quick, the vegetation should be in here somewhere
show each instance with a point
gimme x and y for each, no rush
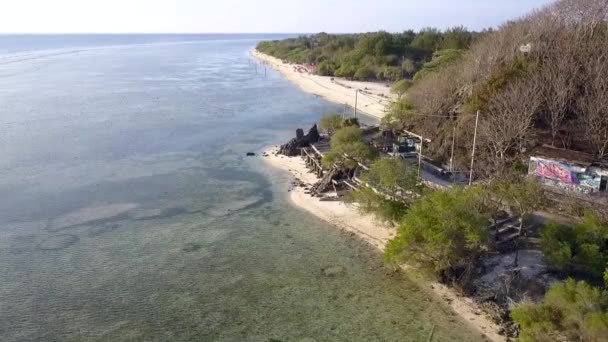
(369, 56)
(441, 59)
(445, 229)
(535, 81)
(348, 148)
(330, 123)
(393, 184)
(401, 86)
(582, 249)
(398, 116)
(521, 195)
(572, 311)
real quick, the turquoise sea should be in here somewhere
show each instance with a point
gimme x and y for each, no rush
(129, 212)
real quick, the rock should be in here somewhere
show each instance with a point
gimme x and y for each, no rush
(292, 148)
(250, 154)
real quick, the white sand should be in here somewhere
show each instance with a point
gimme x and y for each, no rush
(366, 227)
(373, 101)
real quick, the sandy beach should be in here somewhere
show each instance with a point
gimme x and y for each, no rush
(373, 99)
(348, 218)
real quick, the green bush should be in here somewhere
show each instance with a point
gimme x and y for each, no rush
(346, 71)
(441, 59)
(348, 148)
(572, 311)
(391, 185)
(399, 115)
(364, 73)
(400, 87)
(581, 249)
(330, 123)
(442, 230)
(350, 122)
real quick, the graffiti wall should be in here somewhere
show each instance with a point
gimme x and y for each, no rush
(563, 176)
(554, 170)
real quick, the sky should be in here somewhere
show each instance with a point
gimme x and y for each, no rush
(254, 16)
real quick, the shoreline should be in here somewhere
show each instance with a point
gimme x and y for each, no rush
(373, 100)
(366, 227)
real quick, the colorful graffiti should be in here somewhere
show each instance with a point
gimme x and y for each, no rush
(557, 171)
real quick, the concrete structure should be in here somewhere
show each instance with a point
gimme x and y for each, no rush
(568, 171)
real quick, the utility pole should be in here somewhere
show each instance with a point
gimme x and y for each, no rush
(355, 109)
(420, 156)
(473, 153)
(452, 154)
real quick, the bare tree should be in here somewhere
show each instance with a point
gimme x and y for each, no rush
(593, 106)
(510, 118)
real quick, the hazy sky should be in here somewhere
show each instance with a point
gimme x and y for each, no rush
(67, 16)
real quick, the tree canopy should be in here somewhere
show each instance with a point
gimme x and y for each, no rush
(348, 148)
(581, 249)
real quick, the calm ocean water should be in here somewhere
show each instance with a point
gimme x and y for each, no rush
(128, 211)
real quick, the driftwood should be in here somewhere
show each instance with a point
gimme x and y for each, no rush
(293, 147)
(325, 183)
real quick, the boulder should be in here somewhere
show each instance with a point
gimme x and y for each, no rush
(293, 147)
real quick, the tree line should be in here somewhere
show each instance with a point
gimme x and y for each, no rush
(370, 56)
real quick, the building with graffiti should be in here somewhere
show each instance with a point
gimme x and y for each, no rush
(569, 171)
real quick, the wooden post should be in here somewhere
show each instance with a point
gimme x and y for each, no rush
(473, 153)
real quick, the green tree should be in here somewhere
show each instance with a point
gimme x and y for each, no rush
(572, 311)
(348, 148)
(371, 202)
(330, 123)
(428, 39)
(399, 115)
(441, 59)
(522, 195)
(326, 68)
(443, 230)
(401, 86)
(458, 38)
(409, 67)
(364, 73)
(397, 178)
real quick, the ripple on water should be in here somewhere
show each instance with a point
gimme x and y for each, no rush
(58, 242)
